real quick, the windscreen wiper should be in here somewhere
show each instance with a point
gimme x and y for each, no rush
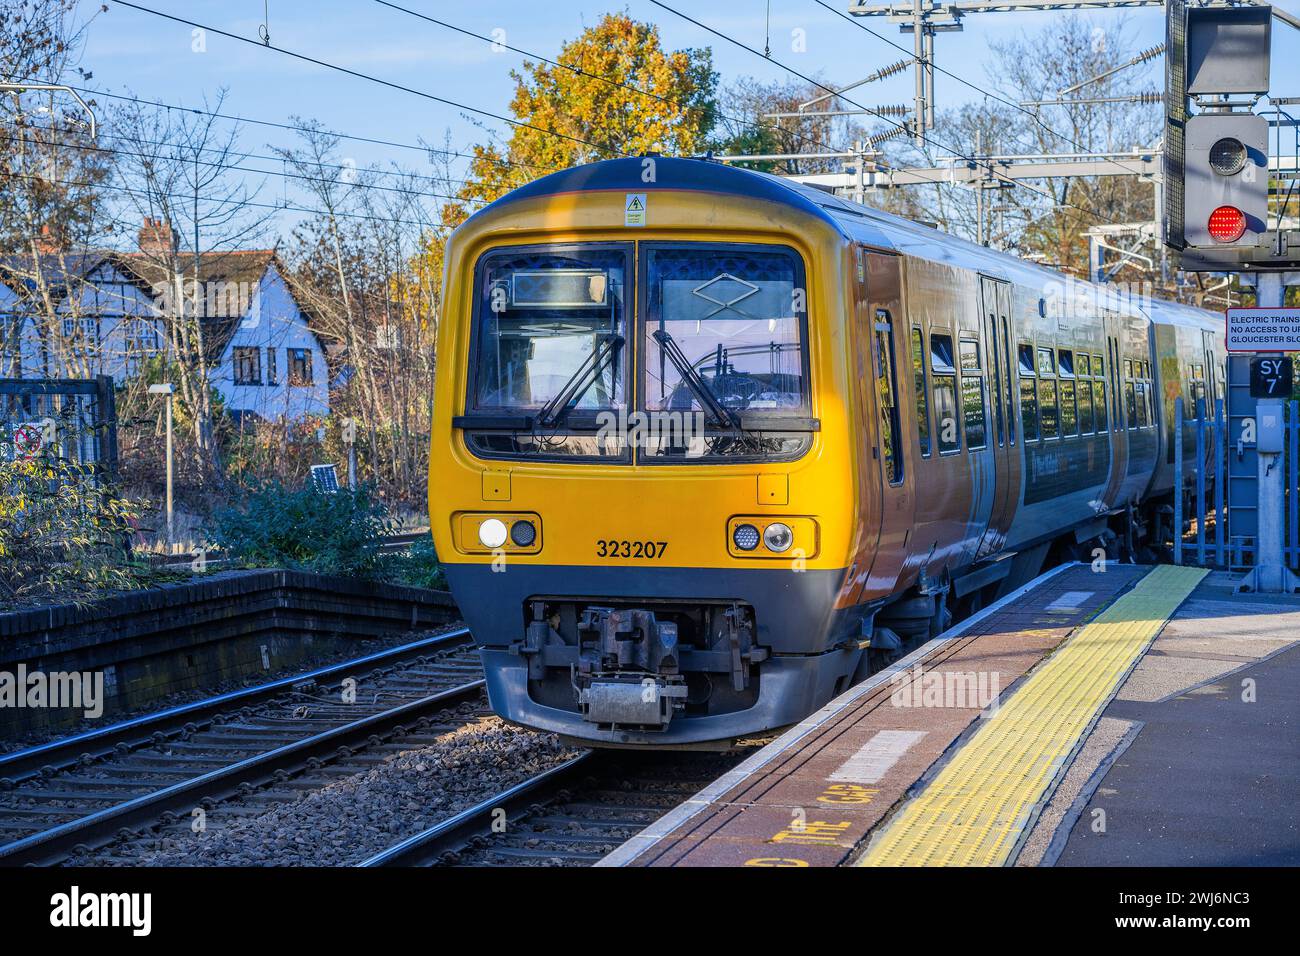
(554, 411)
(721, 414)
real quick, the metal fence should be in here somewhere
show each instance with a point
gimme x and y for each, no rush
(73, 419)
(1224, 518)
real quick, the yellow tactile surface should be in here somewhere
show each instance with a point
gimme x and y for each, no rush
(973, 811)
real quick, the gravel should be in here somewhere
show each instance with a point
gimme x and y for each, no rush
(347, 820)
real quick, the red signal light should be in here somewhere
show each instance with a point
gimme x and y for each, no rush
(1227, 224)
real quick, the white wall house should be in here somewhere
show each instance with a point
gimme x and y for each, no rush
(266, 359)
(271, 363)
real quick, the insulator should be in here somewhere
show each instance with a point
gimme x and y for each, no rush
(1150, 96)
(1148, 54)
(878, 138)
(890, 70)
(890, 110)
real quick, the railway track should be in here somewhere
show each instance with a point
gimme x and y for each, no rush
(571, 815)
(78, 795)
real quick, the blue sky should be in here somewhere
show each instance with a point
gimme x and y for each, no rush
(151, 57)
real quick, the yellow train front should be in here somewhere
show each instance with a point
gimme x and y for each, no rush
(641, 483)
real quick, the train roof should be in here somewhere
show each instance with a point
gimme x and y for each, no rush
(855, 221)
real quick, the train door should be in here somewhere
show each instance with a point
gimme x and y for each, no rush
(883, 330)
(995, 313)
(1117, 414)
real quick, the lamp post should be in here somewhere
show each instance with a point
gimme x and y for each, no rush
(167, 389)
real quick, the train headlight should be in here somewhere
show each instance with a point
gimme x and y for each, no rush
(745, 537)
(492, 533)
(523, 533)
(778, 537)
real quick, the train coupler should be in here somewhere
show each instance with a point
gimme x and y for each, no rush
(628, 671)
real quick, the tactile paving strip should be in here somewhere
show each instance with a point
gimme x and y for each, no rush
(975, 809)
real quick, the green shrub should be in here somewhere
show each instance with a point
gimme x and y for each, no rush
(62, 534)
(417, 567)
(338, 533)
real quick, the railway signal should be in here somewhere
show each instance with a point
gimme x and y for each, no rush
(1226, 180)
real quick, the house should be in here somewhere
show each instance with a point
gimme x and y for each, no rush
(266, 360)
(105, 324)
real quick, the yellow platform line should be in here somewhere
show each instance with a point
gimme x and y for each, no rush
(974, 810)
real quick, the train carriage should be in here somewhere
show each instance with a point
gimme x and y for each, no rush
(709, 445)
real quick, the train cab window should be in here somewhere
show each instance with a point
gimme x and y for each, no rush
(943, 378)
(1028, 393)
(1069, 409)
(1049, 413)
(722, 334)
(887, 390)
(922, 397)
(1099, 393)
(549, 336)
(972, 394)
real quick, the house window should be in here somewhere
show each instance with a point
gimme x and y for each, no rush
(86, 328)
(139, 342)
(299, 366)
(272, 373)
(248, 365)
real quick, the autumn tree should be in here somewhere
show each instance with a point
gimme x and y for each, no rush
(613, 91)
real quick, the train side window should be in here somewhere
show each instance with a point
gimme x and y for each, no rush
(1086, 426)
(1069, 411)
(1199, 393)
(943, 377)
(1130, 396)
(922, 397)
(887, 389)
(1047, 395)
(1099, 405)
(1083, 373)
(1144, 398)
(1028, 393)
(972, 394)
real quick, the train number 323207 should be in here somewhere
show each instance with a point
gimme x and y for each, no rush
(630, 549)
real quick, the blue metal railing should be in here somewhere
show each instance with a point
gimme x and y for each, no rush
(1228, 549)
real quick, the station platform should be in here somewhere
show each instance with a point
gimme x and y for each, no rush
(1017, 738)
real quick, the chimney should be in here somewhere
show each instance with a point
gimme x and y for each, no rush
(51, 240)
(157, 238)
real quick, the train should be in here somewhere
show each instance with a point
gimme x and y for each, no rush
(710, 446)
